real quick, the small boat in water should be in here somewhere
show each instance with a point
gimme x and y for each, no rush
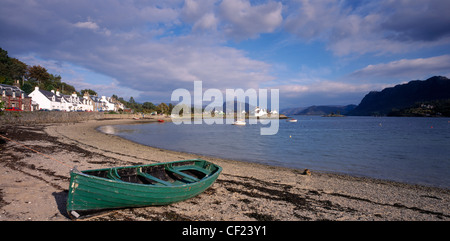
(160, 120)
(136, 186)
(291, 120)
(239, 123)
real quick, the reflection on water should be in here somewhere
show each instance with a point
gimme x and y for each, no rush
(107, 129)
(114, 131)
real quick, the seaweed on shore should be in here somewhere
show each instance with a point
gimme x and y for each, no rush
(2, 201)
(260, 217)
(280, 192)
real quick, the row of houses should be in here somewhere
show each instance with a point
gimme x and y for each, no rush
(14, 97)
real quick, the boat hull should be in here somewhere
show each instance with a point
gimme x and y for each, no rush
(239, 123)
(89, 192)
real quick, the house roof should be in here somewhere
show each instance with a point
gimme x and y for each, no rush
(9, 89)
(50, 95)
(95, 98)
(47, 93)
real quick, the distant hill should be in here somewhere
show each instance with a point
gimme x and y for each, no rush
(319, 110)
(403, 96)
(244, 106)
(292, 111)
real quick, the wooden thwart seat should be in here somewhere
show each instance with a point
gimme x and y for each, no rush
(184, 175)
(153, 178)
(114, 175)
(193, 167)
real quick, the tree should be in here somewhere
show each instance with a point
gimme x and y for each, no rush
(67, 89)
(49, 87)
(163, 108)
(90, 92)
(170, 107)
(37, 75)
(54, 80)
(27, 88)
(10, 68)
(5, 62)
(18, 69)
(149, 106)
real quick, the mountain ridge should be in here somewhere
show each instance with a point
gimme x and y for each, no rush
(403, 96)
(397, 100)
(319, 110)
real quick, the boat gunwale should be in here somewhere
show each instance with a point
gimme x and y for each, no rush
(205, 179)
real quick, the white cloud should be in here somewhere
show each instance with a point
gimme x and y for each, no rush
(140, 44)
(309, 92)
(313, 19)
(87, 25)
(383, 26)
(92, 26)
(243, 20)
(194, 10)
(173, 63)
(207, 21)
(200, 13)
(407, 68)
(325, 87)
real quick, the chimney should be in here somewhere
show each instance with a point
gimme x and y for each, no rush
(53, 91)
(36, 88)
(57, 92)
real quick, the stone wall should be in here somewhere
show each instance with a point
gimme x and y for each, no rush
(42, 117)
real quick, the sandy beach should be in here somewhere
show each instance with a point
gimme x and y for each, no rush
(34, 187)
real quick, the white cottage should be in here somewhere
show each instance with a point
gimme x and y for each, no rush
(260, 112)
(108, 104)
(47, 99)
(77, 103)
(52, 100)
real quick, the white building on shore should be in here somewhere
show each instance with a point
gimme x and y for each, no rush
(46, 99)
(260, 112)
(54, 100)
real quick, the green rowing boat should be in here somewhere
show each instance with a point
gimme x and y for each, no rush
(142, 185)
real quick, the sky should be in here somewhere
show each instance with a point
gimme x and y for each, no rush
(316, 52)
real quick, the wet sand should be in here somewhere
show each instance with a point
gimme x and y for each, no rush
(34, 187)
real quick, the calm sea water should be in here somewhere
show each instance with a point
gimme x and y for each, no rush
(412, 150)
